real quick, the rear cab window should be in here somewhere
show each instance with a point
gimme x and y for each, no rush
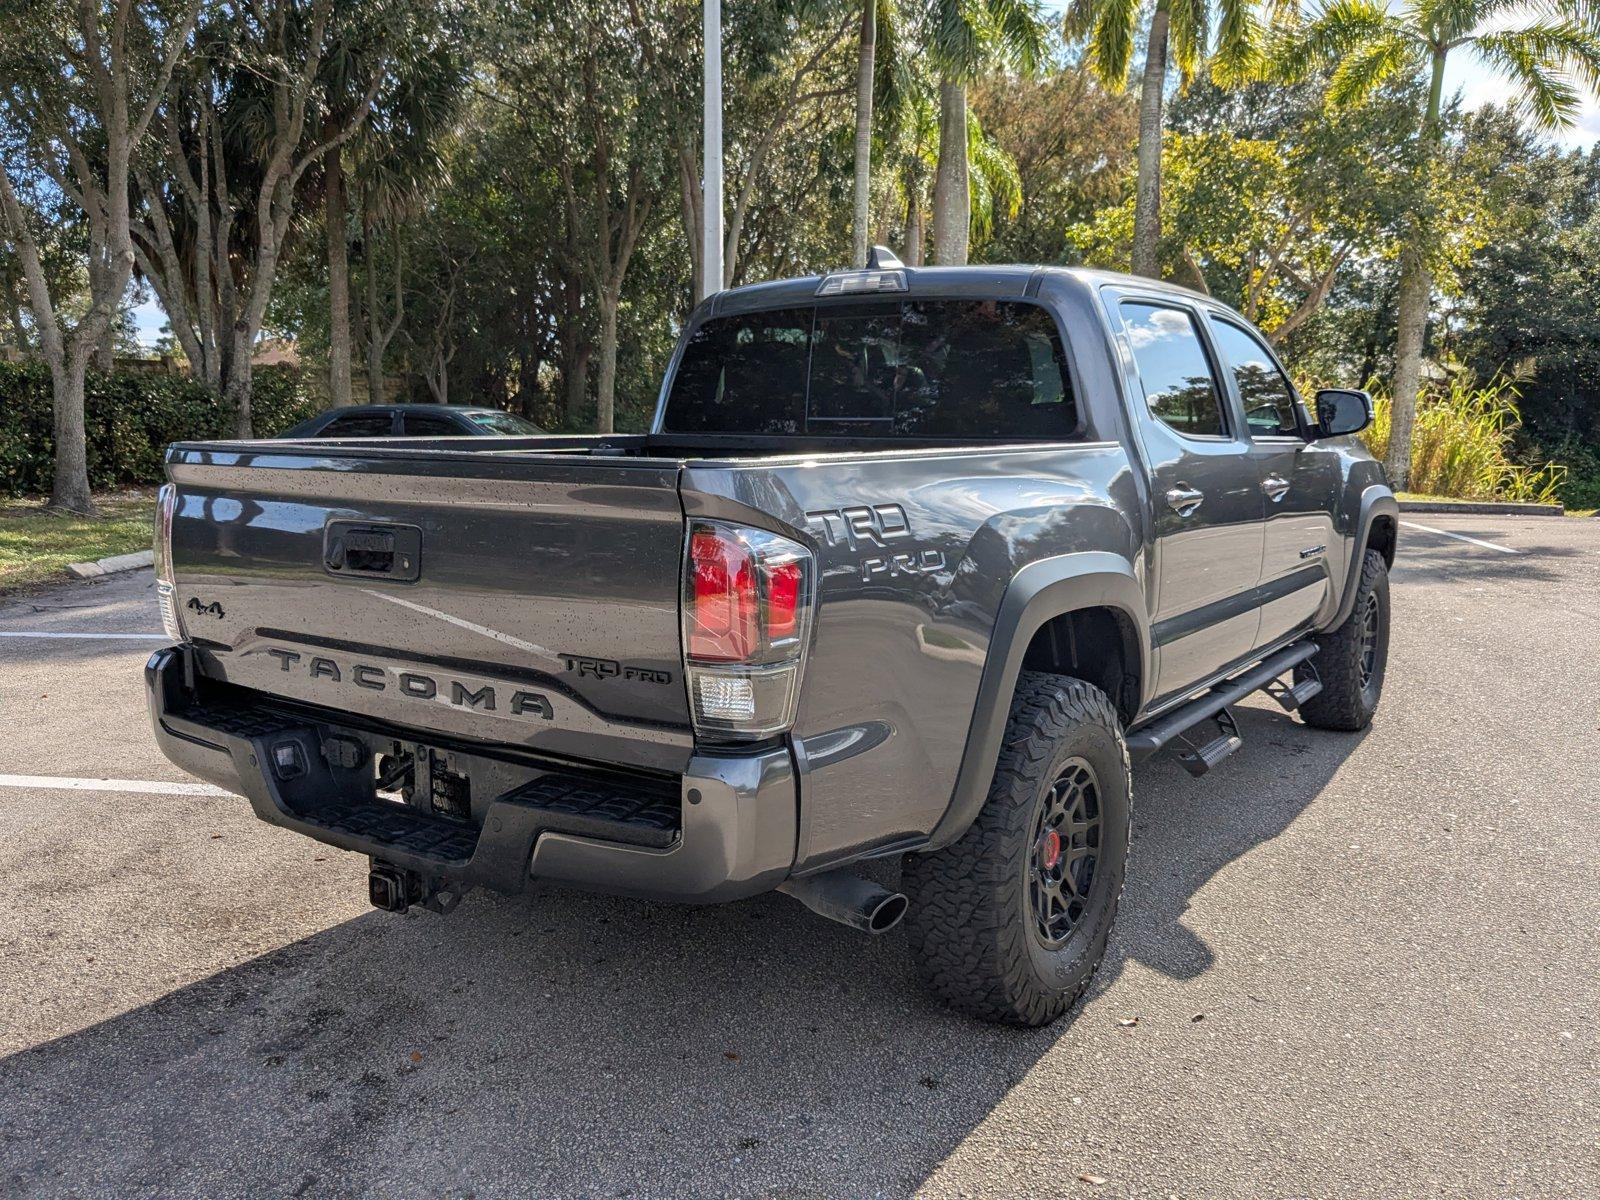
(987, 370)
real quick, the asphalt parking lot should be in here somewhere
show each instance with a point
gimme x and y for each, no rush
(1345, 966)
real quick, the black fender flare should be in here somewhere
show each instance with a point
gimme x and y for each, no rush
(1376, 501)
(1038, 593)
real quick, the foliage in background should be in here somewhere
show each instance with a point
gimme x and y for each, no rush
(130, 417)
(1463, 445)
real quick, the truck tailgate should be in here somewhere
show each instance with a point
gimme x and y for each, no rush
(527, 600)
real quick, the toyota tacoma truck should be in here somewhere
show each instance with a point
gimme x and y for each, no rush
(911, 564)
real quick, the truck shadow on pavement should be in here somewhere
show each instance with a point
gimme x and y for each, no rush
(572, 1045)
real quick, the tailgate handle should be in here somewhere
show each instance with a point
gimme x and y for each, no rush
(372, 550)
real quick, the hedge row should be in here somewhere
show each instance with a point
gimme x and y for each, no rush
(130, 418)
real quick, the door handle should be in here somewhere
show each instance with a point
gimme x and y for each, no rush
(1183, 499)
(1275, 486)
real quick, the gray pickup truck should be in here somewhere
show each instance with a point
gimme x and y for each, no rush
(912, 563)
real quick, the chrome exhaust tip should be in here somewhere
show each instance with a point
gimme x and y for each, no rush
(849, 899)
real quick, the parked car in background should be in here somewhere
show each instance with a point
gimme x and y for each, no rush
(412, 420)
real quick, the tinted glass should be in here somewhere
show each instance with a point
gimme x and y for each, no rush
(1173, 367)
(431, 425)
(1268, 398)
(744, 374)
(501, 422)
(987, 370)
(359, 425)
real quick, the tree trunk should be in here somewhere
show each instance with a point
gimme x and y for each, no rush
(952, 203)
(1147, 197)
(339, 383)
(105, 352)
(1415, 288)
(528, 383)
(70, 488)
(606, 383)
(916, 235)
(864, 65)
(237, 392)
(376, 342)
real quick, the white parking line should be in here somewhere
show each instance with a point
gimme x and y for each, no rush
(1460, 537)
(154, 787)
(102, 637)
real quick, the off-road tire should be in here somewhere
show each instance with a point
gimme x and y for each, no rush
(1347, 701)
(971, 923)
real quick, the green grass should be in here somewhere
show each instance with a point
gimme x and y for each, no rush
(36, 545)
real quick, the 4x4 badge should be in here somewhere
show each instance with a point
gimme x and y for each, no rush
(205, 610)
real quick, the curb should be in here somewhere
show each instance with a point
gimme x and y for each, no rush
(114, 565)
(1496, 508)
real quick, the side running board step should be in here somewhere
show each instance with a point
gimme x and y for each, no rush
(1163, 731)
(1197, 760)
(1290, 695)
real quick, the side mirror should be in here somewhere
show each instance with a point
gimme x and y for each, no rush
(1341, 411)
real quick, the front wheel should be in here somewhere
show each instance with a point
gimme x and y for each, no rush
(1353, 657)
(1009, 923)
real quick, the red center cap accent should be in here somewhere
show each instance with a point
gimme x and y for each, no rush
(1050, 849)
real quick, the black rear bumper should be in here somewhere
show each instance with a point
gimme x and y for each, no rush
(724, 830)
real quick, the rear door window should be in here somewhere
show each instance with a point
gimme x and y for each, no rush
(431, 425)
(353, 425)
(1178, 384)
(965, 370)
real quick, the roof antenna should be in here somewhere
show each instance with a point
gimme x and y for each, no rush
(883, 259)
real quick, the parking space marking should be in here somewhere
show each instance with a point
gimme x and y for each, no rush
(1460, 537)
(90, 637)
(153, 787)
(101, 637)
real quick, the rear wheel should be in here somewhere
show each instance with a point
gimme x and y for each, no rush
(1353, 657)
(1009, 923)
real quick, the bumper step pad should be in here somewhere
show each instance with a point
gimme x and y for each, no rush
(398, 827)
(611, 811)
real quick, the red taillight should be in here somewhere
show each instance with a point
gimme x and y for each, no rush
(747, 597)
(723, 624)
(783, 600)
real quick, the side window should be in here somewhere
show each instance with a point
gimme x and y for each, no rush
(379, 424)
(1172, 363)
(1268, 398)
(430, 425)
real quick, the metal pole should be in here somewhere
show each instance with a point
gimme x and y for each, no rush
(711, 258)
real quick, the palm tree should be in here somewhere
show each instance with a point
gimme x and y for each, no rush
(1182, 33)
(965, 37)
(994, 185)
(1549, 55)
(863, 182)
(879, 85)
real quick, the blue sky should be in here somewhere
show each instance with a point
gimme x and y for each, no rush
(1465, 74)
